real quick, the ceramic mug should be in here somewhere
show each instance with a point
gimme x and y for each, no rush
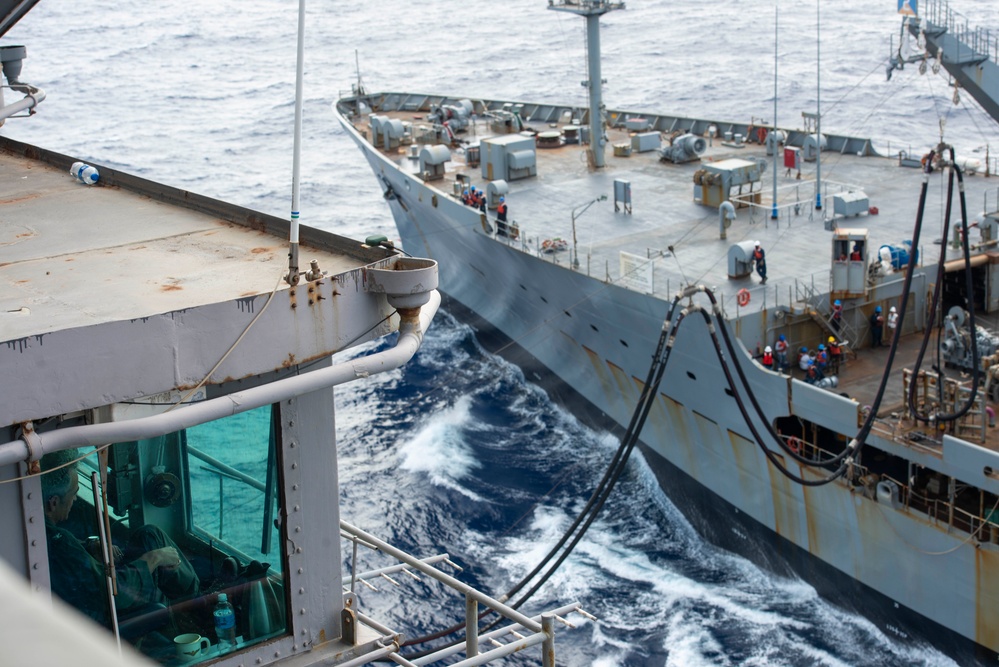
(189, 646)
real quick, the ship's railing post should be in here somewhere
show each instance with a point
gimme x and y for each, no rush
(548, 645)
(472, 626)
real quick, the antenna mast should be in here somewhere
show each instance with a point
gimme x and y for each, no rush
(592, 10)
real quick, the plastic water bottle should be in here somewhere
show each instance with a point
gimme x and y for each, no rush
(84, 173)
(225, 624)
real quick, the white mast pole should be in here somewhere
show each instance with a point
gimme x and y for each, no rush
(293, 275)
(818, 108)
(773, 212)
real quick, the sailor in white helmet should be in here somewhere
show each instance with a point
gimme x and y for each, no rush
(892, 322)
(768, 358)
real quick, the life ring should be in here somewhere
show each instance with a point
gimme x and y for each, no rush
(794, 444)
(743, 297)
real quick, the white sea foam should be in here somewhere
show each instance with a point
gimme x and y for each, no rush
(437, 449)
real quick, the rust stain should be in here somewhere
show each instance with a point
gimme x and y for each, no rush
(257, 251)
(15, 200)
(22, 282)
(785, 503)
(289, 362)
(987, 595)
(138, 247)
(171, 288)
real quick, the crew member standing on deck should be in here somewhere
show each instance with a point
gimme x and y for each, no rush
(768, 358)
(501, 212)
(837, 314)
(835, 354)
(760, 257)
(877, 327)
(892, 322)
(780, 353)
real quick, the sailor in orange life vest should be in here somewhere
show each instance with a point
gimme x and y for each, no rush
(835, 354)
(501, 211)
(761, 262)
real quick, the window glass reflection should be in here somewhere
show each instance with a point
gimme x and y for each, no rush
(191, 516)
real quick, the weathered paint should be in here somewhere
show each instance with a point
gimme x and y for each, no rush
(987, 596)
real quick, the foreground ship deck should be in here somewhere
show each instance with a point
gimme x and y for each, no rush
(175, 384)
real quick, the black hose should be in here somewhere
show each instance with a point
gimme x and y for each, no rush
(969, 290)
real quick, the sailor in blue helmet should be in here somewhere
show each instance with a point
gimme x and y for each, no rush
(822, 358)
(877, 327)
(837, 314)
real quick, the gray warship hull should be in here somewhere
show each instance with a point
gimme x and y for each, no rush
(587, 337)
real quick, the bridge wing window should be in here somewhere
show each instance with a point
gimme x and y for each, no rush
(191, 515)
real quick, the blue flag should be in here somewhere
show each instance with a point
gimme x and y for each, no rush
(908, 7)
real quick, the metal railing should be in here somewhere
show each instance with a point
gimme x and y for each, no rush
(981, 40)
(521, 633)
(982, 526)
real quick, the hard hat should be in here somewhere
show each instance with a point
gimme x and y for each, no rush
(877, 309)
(892, 309)
(805, 350)
(781, 337)
(811, 362)
(502, 199)
(837, 303)
(757, 244)
(831, 340)
(472, 188)
(821, 346)
(465, 192)
(767, 349)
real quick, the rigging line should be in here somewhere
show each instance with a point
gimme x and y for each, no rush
(971, 536)
(232, 347)
(877, 68)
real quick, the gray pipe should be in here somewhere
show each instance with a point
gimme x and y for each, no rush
(411, 332)
(30, 101)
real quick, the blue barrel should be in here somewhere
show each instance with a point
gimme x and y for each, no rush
(900, 255)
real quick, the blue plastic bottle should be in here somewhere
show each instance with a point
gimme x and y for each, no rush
(84, 173)
(225, 624)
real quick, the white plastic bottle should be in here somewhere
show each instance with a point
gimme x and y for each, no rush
(225, 624)
(84, 173)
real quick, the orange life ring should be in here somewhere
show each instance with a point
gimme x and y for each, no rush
(794, 444)
(743, 297)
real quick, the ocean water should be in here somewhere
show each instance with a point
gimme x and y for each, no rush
(457, 452)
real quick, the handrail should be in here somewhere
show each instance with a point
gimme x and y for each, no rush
(528, 631)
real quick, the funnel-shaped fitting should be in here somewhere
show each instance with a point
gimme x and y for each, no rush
(406, 281)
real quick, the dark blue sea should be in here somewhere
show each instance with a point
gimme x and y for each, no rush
(458, 452)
